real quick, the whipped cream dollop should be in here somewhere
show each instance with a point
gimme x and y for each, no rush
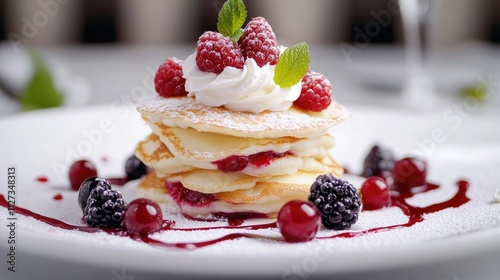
(251, 89)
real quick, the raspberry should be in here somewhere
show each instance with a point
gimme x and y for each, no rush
(215, 52)
(337, 200)
(104, 207)
(259, 42)
(316, 93)
(378, 162)
(168, 79)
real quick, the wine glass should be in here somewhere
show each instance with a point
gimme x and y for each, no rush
(417, 17)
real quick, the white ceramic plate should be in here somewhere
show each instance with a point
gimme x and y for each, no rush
(44, 143)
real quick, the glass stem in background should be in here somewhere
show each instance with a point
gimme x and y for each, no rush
(418, 88)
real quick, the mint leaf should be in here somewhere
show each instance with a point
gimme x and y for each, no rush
(292, 65)
(236, 36)
(232, 16)
(40, 92)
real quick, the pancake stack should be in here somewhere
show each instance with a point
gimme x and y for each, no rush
(212, 160)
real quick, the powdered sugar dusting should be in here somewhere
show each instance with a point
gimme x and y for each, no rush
(479, 213)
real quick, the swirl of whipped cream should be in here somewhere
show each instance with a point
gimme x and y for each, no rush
(251, 89)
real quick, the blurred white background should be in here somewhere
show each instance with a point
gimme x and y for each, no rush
(101, 50)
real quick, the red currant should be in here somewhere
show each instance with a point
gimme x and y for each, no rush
(409, 173)
(374, 193)
(299, 221)
(79, 172)
(143, 216)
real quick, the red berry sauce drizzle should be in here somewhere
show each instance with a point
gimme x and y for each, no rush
(233, 219)
(120, 231)
(414, 214)
(104, 159)
(42, 179)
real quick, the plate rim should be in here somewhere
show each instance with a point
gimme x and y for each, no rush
(485, 235)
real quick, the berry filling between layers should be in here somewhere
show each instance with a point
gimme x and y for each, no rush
(183, 196)
(238, 163)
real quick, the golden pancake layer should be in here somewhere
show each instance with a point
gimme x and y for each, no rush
(211, 160)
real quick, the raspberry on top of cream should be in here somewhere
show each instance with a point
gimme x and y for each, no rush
(251, 89)
(245, 69)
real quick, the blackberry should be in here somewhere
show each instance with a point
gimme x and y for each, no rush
(337, 200)
(135, 168)
(105, 207)
(87, 186)
(378, 162)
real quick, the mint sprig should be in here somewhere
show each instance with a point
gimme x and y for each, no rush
(40, 92)
(232, 16)
(292, 65)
